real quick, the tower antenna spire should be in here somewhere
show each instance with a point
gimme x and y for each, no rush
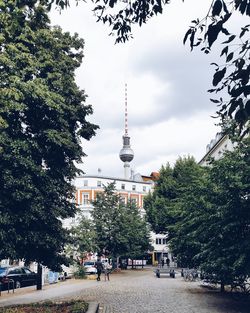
(126, 109)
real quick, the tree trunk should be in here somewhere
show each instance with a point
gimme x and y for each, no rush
(39, 277)
(222, 287)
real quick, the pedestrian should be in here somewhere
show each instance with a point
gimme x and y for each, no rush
(99, 268)
(182, 272)
(107, 269)
(162, 262)
(65, 275)
(167, 262)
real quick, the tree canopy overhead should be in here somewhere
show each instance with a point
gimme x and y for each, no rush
(230, 83)
(42, 119)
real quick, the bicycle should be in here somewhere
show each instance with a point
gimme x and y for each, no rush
(190, 275)
(240, 290)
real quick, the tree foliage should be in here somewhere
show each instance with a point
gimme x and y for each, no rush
(42, 118)
(231, 77)
(120, 230)
(208, 217)
(83, 239)
(164, 207)
(226, 253)
(160, 205)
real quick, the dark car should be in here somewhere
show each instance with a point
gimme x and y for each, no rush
(20, 276)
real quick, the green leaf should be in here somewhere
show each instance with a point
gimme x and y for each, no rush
(231, 38)
(188, 33)
(218, 76)
(213, 32)
(214, 100)
(225, 31)
(229, 57)
(217, 7)
(224, 51)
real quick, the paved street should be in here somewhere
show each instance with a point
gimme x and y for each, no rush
(139, 291)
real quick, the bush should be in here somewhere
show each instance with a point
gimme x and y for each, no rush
(80, 272)
(77, 306)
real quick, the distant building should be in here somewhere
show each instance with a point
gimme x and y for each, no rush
(88, 186)
(216, 148)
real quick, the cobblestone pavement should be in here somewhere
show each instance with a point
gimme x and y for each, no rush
(135, 291)
(139, 291)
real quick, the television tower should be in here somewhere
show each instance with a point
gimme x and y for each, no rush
(126, 153)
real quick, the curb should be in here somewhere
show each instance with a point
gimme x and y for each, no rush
(93, 307)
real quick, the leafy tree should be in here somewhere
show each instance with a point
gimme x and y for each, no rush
(193, 209)
(225, 252)
(83, 238)
(173, 204)
(136, 232)
(162, 205)
(159, 203)
(120, 230)
(42, 119)
(208, 219)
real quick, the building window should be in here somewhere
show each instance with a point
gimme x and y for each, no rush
(85, 198)
(164, 241)
(134, 187)
(99, 183)
(158, 241)
(144, 188)
(123, 186)
(85, 183)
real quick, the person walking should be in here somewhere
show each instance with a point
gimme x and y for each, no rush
(107, 269)
(99, 268)
(167, 262)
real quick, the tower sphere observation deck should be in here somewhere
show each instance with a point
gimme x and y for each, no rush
(126, 153)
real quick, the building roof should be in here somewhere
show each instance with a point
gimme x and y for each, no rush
(114, 178)
(213, 147)
(153, 177)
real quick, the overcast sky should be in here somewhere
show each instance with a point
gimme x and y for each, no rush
(168, 105)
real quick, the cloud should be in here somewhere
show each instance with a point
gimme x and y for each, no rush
(168, 107)
(187, 76)
(153, 147)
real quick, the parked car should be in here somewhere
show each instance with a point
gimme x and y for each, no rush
(90, 267)
(21, 277)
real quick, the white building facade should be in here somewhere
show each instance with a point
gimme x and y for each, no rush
(216, 148)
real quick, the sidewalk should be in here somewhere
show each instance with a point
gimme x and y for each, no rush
(49, 292)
